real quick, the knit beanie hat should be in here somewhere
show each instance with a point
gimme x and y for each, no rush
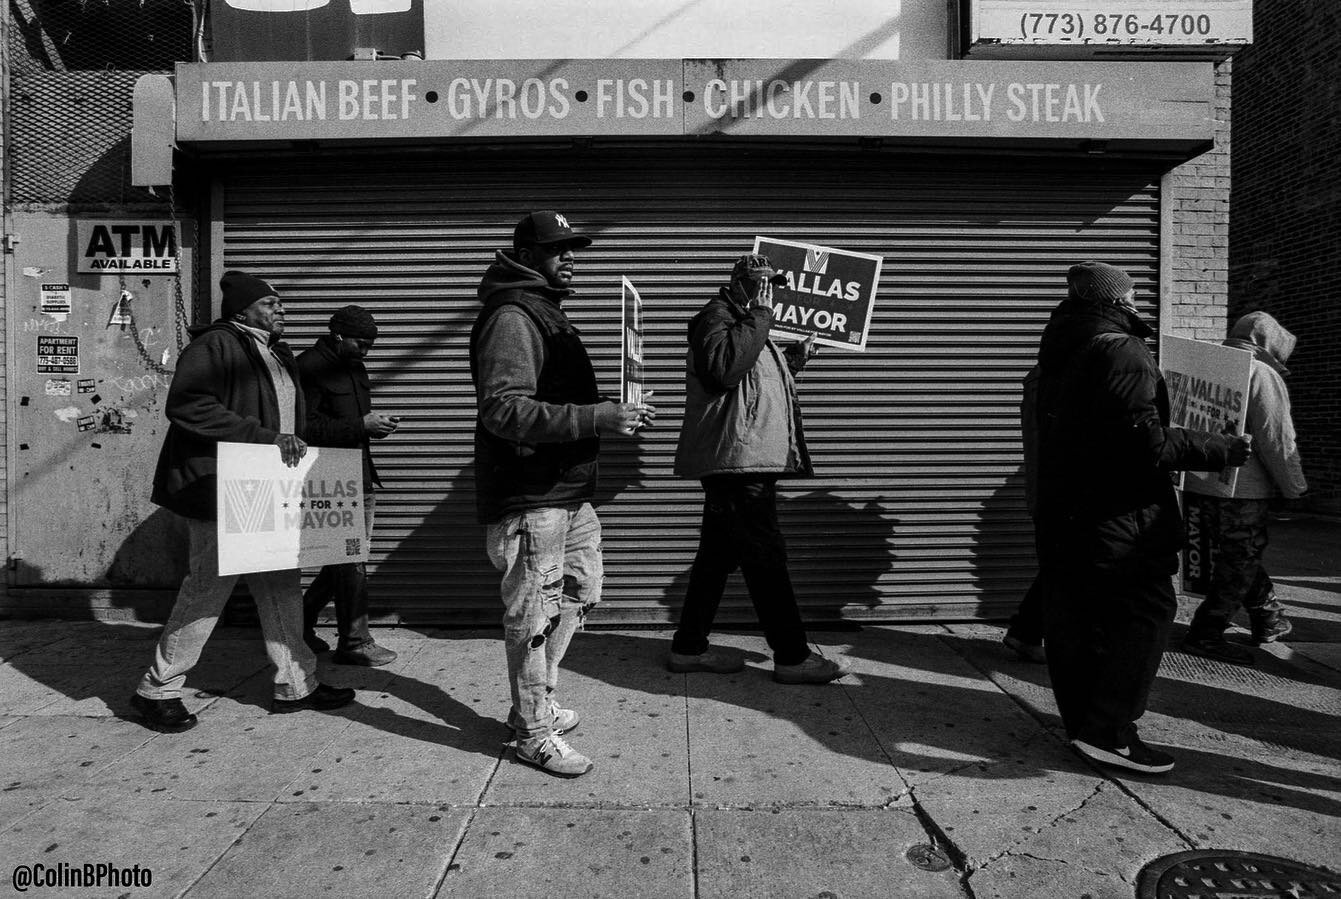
(1098, 281)
(240, 290)
(354, 321)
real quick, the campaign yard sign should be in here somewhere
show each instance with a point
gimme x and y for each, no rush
(273, 517)
(631, 347)
(1208, 391)
(829, 292)
(1198, 545)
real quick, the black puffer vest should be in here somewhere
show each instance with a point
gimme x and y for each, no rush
(514, 475)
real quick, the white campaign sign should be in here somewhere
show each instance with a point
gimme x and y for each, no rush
(1208, 391)
(273, 517)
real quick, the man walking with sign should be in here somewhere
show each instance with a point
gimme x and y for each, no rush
(338, 396)
(741, 433)
(1108, 522)
(235, 381)
(537, 437)
(1238, 522)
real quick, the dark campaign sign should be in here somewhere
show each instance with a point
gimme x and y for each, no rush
(829, 292)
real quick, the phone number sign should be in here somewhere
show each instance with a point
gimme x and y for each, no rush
(1142, 22)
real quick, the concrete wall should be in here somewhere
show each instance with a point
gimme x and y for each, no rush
(84, 443)
(1285, 215)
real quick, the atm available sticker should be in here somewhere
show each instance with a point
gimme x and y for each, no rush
(144, 247)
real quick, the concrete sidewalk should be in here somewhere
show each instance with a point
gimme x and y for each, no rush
(704, 786)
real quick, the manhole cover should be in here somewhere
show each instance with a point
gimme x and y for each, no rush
(1227, 874)
(927, 857)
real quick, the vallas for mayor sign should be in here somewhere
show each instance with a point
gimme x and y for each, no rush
(139, 246)
(829, 293)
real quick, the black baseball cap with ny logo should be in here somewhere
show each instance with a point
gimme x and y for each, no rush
(545, 226)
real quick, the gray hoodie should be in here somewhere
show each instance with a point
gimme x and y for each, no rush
(1274, 467)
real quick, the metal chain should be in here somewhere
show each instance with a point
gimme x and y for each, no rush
(149, 361)
(180, 316)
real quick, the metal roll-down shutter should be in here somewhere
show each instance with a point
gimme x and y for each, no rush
(917, 506)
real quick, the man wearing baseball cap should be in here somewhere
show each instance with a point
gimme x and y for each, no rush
(741, 433)
(537, 437)
(1108, 524)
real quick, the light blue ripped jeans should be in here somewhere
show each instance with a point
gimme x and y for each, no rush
(552, 572)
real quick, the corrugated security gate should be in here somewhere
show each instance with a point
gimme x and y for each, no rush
(917, 506)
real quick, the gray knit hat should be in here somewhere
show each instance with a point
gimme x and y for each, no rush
(1098, 281)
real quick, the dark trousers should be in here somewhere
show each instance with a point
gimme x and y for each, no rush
(1105, 627)
(740, 530)
(1105, 630)
(1238, 530)
(1026, 624)
(346, 586)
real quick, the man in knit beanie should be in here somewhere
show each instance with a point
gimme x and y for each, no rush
(1107, 519)
(235, 381)
(338, 397)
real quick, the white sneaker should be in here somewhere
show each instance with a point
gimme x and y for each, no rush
(814, 670)
(550, 753)
(564, 719)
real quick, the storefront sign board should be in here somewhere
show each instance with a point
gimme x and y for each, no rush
(1134, 23)
(273, 517)
(441, 98)
(941, 100)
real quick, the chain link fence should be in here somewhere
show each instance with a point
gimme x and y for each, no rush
(73, 68)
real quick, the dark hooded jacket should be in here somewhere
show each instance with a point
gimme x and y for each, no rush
(1274, 468)
(535, 434)
(338, 394)
(221, 391)
(741, 412)
(1105, 446)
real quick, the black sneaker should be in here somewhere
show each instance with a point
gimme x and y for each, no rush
(168, 716)
(1135, 756)
(1270, 628)
(1028, 652)
(315, 643)
(1220, 649)
(322, 699)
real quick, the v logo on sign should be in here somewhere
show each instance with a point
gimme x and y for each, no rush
(249, 507)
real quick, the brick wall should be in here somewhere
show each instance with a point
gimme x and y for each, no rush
(1285, 212)
(1196, 286)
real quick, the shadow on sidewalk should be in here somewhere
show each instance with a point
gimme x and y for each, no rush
(937, 715)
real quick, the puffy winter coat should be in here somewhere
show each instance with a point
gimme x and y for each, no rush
(741, 415)
(1105, 445)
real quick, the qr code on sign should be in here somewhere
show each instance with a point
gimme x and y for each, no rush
(353, 546)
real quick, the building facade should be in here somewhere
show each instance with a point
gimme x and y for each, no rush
(975, 163)
(1285, 222)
